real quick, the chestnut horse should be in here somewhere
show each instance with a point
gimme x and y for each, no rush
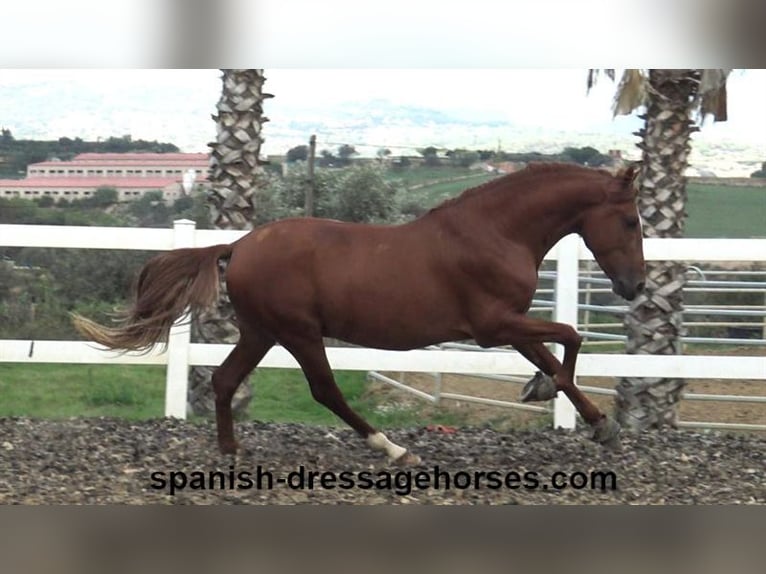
(467, 269)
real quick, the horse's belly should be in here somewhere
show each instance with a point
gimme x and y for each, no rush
(395, 340)
(398, 325)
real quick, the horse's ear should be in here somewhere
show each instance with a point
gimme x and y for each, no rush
(626, 183)
(628, 174)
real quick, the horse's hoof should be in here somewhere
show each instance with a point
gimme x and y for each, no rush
(541, 387)
(407, 459)
(606, 432)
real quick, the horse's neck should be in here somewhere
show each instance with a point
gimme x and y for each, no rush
(541, 217)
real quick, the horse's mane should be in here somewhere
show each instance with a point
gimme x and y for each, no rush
(517, 177)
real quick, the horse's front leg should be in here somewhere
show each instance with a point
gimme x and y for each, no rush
(528, 335)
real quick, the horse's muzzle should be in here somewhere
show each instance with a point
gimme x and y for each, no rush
(626, 290)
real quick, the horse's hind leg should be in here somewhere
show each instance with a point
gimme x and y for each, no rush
(247, 353)
(311, 356)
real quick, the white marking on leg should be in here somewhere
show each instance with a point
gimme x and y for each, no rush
(378, 441)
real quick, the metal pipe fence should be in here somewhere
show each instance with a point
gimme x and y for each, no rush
(592, 282)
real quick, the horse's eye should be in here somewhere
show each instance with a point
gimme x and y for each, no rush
(631, 222)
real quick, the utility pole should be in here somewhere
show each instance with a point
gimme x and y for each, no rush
(308, 210)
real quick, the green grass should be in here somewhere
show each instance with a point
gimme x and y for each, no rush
(419, 175)
(61, 391)
(432, 195)
(436, 182)
(726, 211)
(138, 393)
(282, 395)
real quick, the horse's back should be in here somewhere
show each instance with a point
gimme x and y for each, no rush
(291, 245)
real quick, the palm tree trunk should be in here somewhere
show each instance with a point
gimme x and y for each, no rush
(654, 322)
(234, 169)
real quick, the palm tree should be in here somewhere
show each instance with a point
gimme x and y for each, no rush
(675, 101)
(234, 169)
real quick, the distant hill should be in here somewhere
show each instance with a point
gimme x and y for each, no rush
(46, 111)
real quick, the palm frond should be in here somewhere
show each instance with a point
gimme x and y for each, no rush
(712, 80)
(712, 94)
(594, 73)
(631, 92)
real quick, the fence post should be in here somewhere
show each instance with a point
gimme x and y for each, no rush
(437, 388)
(179, 339)
(565, 311)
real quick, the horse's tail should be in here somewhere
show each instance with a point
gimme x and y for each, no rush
(167, 285)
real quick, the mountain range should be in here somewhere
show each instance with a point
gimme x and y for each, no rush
(48, 111)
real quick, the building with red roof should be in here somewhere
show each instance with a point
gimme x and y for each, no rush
(131, 174)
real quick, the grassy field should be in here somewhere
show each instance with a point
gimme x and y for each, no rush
(138, 393)
(713, 210)
(60, 391)
(423, 174)
(432, 195)
(726, 211)
(429, 186)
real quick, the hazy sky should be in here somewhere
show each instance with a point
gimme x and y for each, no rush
(546, 98)
(182, 100)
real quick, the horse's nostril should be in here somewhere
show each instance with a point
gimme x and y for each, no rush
(640, 287)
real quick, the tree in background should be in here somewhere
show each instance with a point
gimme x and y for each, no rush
(383, 154)
(674, 102)
(297, 153)
(401, 163)
(342, 157)
(359, 193)
(235, 172)
(587, 155)
(327, 159)
(345, 155)
(463, 157)
(430, 156)
(363, 195)
(104, 196)
(761, 172)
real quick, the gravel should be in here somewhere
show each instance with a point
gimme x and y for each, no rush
(100, 461)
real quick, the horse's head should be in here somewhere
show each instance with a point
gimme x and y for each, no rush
(612, 231)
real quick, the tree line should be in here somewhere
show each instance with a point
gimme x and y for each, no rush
(16, 155)
(432, 156)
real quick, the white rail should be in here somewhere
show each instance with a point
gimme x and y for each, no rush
(180, 353)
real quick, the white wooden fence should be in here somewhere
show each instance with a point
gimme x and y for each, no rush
(181, 354)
